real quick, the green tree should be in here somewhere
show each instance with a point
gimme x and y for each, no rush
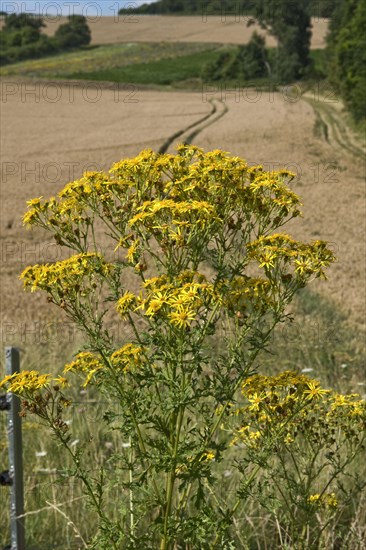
(21, 37)
(74, 33)
(252, 58)
(323, 8)
(290, 23)
(347, 54)
(317, 8)
(18, 21)
(205, 7)
(20, 30)
(245, 62)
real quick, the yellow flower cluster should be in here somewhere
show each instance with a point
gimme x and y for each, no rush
(72, 205)
(128, 358)
(178, 210)
(36, 208)
(85, 363)
(173, 196)
(30, 382)
(132, 252)
(67, 275)
(278, 408)
(126, 303)
(280, 253)
(244, 294)
(174, 215)
(180, 302)
(327, 500)
(347, 406)
(90, 183)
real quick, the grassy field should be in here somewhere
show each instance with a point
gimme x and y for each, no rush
(139, 63)
(162, 72)
(120, 62)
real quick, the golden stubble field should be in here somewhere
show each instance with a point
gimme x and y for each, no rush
(45, 144)
(223, 29)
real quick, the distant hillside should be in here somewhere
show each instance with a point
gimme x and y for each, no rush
(317, 8)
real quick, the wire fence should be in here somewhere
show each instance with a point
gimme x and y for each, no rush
(12, 477)
(40, 490)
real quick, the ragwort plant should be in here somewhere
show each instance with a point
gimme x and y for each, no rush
(196, 258)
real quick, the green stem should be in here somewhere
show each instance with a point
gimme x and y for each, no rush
(177, 421)
(132, 529)
(171, 480)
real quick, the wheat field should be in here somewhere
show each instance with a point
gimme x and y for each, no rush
(223, 29)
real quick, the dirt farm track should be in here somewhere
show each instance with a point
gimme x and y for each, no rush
(46, 142)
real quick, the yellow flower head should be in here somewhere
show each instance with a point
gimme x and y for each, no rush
(85, 363)
(26, 382)
(182, 316)
(126, 303)
(314, 391)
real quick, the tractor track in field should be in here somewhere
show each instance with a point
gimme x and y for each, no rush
(189, 133)
(335, 130)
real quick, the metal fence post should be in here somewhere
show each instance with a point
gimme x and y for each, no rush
(15, 457)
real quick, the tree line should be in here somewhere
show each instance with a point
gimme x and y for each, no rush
(22, 38)
(317, 8)
(346, 49)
